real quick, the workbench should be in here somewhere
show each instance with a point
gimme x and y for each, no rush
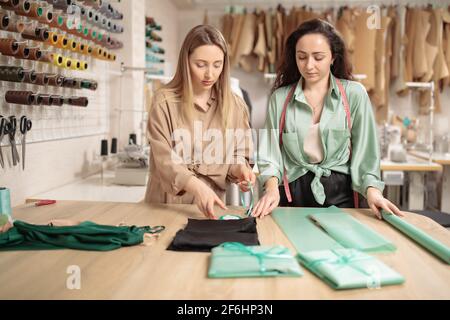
(444, 160)
(151, 272)
(416, 168)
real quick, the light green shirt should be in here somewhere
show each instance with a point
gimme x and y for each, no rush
(364, 167)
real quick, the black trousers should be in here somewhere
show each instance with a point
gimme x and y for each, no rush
(337, 187)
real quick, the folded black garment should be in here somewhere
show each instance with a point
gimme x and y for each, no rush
(203, 241)
(203, 235)
(242, 225)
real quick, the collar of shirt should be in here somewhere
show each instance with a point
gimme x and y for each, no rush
(210, 102)
(333, 90)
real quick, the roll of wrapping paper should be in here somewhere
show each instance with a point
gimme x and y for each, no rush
(35, 54)
(14, 74)
(81, 47)
(20, 97)
(67, 62)
(88, 50)
(37, 99)
(47, 57)
(10, 4)
(98, 52)
(61, 4)
(30, 77)
(69, 82)
(46, 99)
(76, 64)
(77, 101)
(83, 65)
(111, 57)
(41, 79)
(55, 80)
(57, 100)
(34, 10)
(434, 246)
(8, 47)
(62, 41)
(4, 21)
(15, 26)
(5, 206)
(23, 52)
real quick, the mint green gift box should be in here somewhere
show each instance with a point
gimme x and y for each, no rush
(235, 260)
(349, 269)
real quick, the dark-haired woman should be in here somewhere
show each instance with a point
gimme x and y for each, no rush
(328, 147)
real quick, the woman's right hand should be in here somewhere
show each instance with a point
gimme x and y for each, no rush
(269, 200)
(204, 197)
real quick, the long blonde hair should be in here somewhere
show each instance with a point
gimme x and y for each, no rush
(180, 88)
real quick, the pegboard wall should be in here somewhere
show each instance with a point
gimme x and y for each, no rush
(75, 39)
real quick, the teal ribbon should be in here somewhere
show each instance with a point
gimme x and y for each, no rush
(277, 252)
(250, 207)
(342, 260)
(153, 230)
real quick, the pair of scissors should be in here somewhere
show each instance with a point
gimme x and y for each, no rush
(25, 126)
(11, 128)
(250, 207)
(3, 132)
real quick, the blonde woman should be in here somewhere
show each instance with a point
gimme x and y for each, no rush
(190, 124)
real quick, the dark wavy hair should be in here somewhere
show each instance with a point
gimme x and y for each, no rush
(288, 72)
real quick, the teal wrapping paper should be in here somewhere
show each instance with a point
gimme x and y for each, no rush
(349, 269)
(434, 246)
(351, 233)
(5, 206)
(235, 260)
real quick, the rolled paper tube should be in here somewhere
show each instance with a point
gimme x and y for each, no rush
(14, 74)
(5, 202)
(47, 16)
(98, 52)
(10, 4)
(77, 84)
(89, 84)
(68, 82)
(23, 9)
(81, 47)
(67, 62)
(19, 97)
(48, 57)
(23, 52)
(105, 55)
(4, 21)
(37, 34)
(36, 10)
(63, 42)
(87, 50)
(104, 148)
(73, 45)
(114, 146)
(8, 47)
(37, 99)
(42, 79)
(46, 99)
(78, 101)
(57, 100)
(55, 80)
(76, 64)
(35, 54)
(61, 4)
(30, 77)
(58, 60)
(83, 65)
(44, 34)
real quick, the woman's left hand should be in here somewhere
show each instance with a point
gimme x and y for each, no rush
(376, 200)
(244, 175)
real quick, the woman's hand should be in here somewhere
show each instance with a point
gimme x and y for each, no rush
(269, 201)
(244, 175)
(204, 197)
(376, 200)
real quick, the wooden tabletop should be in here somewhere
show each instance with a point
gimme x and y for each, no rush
(151, 272)
(441, 158)
(412, 163)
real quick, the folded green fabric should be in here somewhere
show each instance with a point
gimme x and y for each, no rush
(349, 269)
(351, 233)
(434, 246)
(235, 260)
(301, 230)
(85, 236)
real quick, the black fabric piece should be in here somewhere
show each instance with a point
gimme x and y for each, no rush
(203, 235)
(203, 241)
(338, 191)
(243, 225)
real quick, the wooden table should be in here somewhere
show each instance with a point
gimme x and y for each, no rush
(416, 168)
(152, 272)
(444, 160)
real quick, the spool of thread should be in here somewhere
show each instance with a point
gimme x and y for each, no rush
(133, 138)
(5, 206)
(104, 149)
(114, 146)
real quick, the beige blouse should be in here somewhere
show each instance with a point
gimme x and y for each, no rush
(313, 144)
(168, 178)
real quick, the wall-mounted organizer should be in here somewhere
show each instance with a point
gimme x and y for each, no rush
(55, 58)
(154, 53)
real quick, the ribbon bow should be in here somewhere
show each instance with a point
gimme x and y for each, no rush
(277, 252)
